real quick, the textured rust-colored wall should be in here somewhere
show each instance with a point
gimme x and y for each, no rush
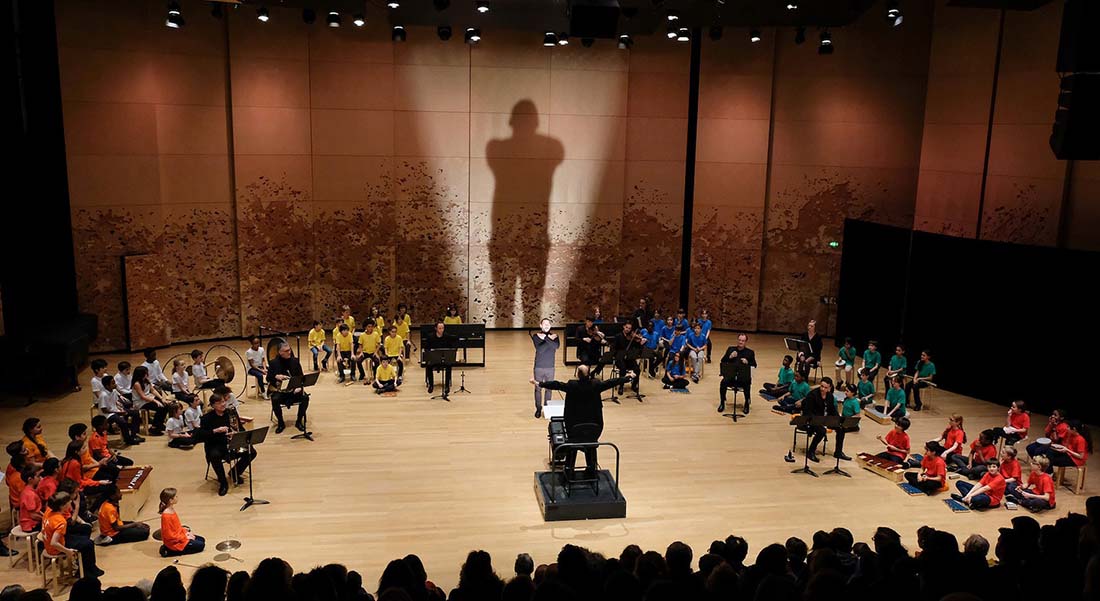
(1024, 186)
(1083, 216)
(846, 143)
(145, 135)
(731, 176)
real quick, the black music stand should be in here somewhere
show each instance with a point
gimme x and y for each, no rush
(739, 372)
(805, 421)
(440, 359)
(840, 424)
(247, 439)
(608, 358)
(295, 382)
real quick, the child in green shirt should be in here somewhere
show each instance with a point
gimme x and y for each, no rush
(770, 392)
(895, 399)
(846, 363)
(872, 359)
(866, 388)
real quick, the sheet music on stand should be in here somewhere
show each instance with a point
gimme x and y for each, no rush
(553, 409)
(797, 345)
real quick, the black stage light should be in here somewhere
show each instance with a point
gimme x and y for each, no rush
(473, 35)
(754, 36)
(261, 14)
(333, 19)
(549, 39)
(398, 33)
(826, 46)
(444, 32)
(625, 42)
(800, 35)
(359, 20)
(715, 32)
(481, 6)
(309, 16)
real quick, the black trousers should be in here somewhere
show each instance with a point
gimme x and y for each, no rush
(914, 390)
(365, 358)
(728, 383)
(278, 399)
(819, 435)
(430, 374)
(160, 413)
(128, 423)
(589, 453)
(928, 487)
(630, 365)
(216, 456)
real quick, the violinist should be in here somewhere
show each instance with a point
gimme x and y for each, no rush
(215, 429)
(590, 342)
(626, 346)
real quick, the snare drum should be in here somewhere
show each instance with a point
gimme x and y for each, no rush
(1045, 442)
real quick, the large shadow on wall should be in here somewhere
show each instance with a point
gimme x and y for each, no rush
(523, 168)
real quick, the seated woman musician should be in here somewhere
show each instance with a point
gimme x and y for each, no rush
(807, 362)
(590, 341)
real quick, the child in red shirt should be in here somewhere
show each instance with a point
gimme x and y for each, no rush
(1010, 469)
(1074, 449)
(1056, 431)
(982, 451)
(896, 441)
(953, 438)
(933, 475)
(30, 506)
(1038, 493)
(1016, 425)
(987, 493)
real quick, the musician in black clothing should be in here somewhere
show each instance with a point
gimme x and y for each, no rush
(641, 316)
(583, 413)
(439, 340)
(589, 343)
(281, 368)
(626, 346)
(822, 402)
(216, 427)
(810, 361)
(746, 356)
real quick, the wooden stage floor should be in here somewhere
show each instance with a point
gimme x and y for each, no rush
(388, 476)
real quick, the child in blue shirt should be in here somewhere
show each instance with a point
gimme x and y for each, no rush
(675, 374)
(696, 344)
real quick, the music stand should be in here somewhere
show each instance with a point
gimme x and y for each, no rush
(439, 359)
(740, 373)
(805, 421)
(247, 439)
(608, 358)
(839, 424)
(295, 382)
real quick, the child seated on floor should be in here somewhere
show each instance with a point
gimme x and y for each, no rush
(179, 435)
(987, 493)
(866, 389)
(771, 392)
(896, 441)
(790, 401)
(1010, 469)
(933, 473)
(385, 376)
(1038, 493)
(982, 451)
(675, 373)
(112, 530)
(895, 399)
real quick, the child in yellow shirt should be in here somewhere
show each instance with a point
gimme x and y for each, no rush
(317, 344)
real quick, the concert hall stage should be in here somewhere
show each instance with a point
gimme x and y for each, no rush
(388, 476)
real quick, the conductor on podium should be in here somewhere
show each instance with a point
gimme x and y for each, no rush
(438, 340)
(284, 367)
(583, 413)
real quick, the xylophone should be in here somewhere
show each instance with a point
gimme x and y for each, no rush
(134, 484)
(889, 469)
(877, 415)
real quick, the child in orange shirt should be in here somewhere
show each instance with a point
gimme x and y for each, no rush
(177, 539)
(37, 451)
(112, 530)
(59, 540)
(16, 462)
(933, 474)
(48, 486)
(97, 444)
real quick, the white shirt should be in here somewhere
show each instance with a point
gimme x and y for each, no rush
(179, 382)
(255, 358)
(176, 425)
(199, 371)
(231, 402)
(191, 417)
(97, 386)
(110, 402)
(122, 382)
(156, 374)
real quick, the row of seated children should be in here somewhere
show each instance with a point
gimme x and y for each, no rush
(182, 423)
(352, 354)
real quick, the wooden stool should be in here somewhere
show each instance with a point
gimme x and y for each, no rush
(14, 537)
(46, 559)
(1078, 486)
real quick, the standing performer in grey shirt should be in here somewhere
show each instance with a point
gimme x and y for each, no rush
(546, 350)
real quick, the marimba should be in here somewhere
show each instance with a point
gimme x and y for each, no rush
(887, 468)
(873, 413)
(136, 488)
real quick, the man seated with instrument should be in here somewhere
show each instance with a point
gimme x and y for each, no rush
(583, 413)
(589, 344)
(627, 345)
(746, 356)
(439, 340)
(216, 428)
(820, 403)
(281, 369)
(369, 343)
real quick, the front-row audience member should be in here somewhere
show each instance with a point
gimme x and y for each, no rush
(177, 539)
